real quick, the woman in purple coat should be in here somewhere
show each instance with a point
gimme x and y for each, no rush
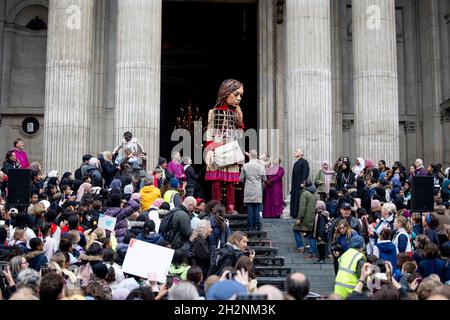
(273, 204)
(115, 209)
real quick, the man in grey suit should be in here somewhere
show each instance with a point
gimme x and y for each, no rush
(253, 175)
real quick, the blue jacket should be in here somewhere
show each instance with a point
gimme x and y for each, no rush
(429, 266)
(36, 260)
(217, 235)
(388, 252)
(153, 238)
(343, 242)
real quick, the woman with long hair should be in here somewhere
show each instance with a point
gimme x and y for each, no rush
(10, 162)
(341, 241)
(220, 229)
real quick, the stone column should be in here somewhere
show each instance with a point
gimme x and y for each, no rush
(308, 81)
(138, 69)
(430, 80)
(99, 77)
(375, 80)
(68, 83)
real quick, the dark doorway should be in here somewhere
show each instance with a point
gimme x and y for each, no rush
(202, 45)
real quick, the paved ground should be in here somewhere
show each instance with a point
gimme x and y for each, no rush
(321, 276)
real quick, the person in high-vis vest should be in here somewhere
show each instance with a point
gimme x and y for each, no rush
(350, 264)
(172, 196)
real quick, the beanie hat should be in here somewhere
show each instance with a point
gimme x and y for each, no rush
(174, 183)
(115, 184)
(374, 204)
(100, 270)
(224, 290)
(136, 196)
(93, 161)
(320, 205)
(357, 242)
(128, 189)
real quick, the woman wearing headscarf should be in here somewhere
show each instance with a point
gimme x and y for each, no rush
(225, 125)
(325, 179)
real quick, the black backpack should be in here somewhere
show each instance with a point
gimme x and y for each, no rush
(166, 227)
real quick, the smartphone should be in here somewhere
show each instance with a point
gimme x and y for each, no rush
(3, 266)
(169, 281)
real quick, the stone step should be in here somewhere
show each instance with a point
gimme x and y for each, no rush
(232, 217)
(272, 271)
(259, 243)
(256, 234)
(268, 261)
(265, 251)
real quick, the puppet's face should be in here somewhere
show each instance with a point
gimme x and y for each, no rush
(235, 98)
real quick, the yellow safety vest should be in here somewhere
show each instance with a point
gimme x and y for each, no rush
(169, 197)
(346, 279)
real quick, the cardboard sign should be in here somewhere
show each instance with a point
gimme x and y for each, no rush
(106, 222)
(143, 258)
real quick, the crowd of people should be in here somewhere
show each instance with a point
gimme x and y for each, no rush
(357, 216)
(360, 218)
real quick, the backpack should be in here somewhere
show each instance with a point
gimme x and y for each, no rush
(166, 227)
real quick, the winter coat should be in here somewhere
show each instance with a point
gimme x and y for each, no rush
(181, 227)
(36, 260)
(121, 215)
(387, 251)
(253, 175)
(8, 165)
(307, 209)
(94, 173)
(433, 236)
(443, 217)
(201, 254)
(5, 251)
(319, 230)
(224, 257)
(345, 180)
(320, 181)
(148, 195)
(109, 170)
(152, 237)
(217, 234)
(333, 208)
(191, 177)
(341, 243)
(429, 266)
(300, 173)
(85, 272)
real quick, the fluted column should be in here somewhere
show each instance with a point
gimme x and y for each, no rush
(138, 73)
(68, 83)
(375, 80)
(308, 81)
(97, 137)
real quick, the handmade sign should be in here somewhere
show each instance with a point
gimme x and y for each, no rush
(106, 222)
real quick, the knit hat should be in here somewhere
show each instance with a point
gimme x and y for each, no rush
(161, 160)
(100, 270)
(174, 183)
(128, 189)
(224, 290)
(136, 196)
(115, 184)
(158, 202)
(357, 242)
(320, 205)
(375, 204)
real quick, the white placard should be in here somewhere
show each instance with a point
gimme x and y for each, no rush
(143, 258)
(106, 222)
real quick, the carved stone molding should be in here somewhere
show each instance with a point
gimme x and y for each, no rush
(409, 126)
(445, 111)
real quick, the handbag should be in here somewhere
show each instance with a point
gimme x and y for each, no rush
(228, 154)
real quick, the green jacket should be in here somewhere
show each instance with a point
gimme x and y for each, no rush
(307, 209)
(320, 181)
(181, 227)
